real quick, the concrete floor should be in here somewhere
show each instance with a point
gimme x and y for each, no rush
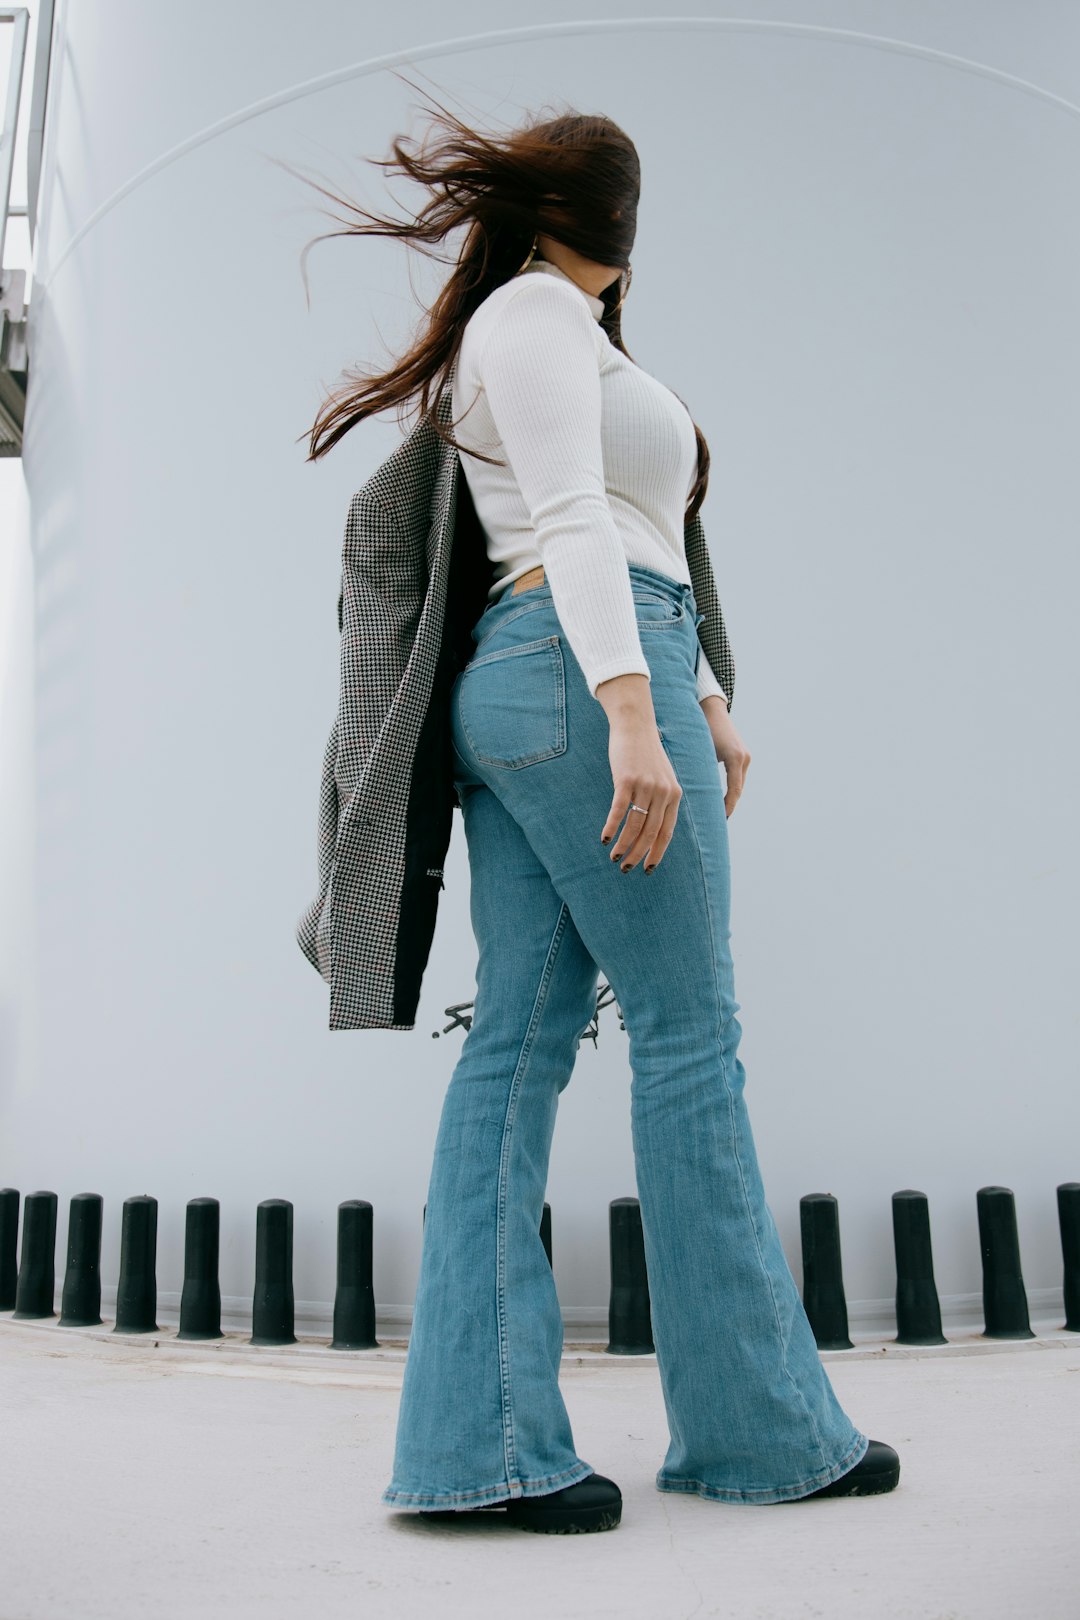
(143, 1475)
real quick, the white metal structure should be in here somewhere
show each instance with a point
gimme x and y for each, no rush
(857, 262)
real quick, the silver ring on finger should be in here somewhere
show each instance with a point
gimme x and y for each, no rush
(640, 807)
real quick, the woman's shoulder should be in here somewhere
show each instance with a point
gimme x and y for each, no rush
(524, 301)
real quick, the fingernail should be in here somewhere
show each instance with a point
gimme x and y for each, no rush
(606, 840)
(651, 868)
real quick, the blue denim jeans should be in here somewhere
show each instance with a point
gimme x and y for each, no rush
(752, 1415)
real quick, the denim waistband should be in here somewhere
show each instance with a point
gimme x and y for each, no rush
(673, 588)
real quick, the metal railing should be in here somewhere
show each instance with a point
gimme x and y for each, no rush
(14, 309)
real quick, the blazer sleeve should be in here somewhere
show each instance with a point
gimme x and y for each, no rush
(717, 656)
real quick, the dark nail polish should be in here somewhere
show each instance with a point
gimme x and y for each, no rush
(651, 868)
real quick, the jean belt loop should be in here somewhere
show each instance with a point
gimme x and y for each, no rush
(689, 597)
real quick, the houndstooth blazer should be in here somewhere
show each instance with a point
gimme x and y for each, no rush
(414, 580)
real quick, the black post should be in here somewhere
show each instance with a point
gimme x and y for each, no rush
(136, 1292)
(200, 1300)
(823, 1279)
(1068, 1202)
(272, 1314)
(1005, 1305)
(918, 1310)
(37, 1270)
(354, 1299)
(629, 1311)
(80, 1303)
(9, 1239)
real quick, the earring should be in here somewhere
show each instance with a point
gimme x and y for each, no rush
(529, 260)
(626, 289)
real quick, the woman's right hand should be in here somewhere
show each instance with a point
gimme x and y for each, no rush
(641, 772)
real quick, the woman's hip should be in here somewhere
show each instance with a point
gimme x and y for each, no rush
(524, 723)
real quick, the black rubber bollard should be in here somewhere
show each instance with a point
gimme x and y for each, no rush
(629, 1310)
(200, 1298)
(272, 1314)
(36, 1286)
(545, 1233)
(136, 1292)
(823, 1276)
(918, 1309)
(354, 1298)
(80, 1303)
(9, 1242)
(1005, 1305)
(1068, 1202)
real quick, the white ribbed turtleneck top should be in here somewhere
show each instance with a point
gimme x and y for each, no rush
(599, 460)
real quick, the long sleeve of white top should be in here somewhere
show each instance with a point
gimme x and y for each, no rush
(707, 683)
(541, 372)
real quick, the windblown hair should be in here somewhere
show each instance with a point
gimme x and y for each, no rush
(575, 177)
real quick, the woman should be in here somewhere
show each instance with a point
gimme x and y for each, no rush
(584, 471)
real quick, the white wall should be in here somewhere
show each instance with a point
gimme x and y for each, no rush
(857, 262)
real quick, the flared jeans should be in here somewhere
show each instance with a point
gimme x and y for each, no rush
(752, 1415)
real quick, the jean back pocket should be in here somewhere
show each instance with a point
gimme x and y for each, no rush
(512, 704)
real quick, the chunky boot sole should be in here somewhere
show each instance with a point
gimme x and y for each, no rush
(878, 1471)
(594, 1503)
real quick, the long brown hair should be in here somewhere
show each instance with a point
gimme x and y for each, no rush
(575, 177)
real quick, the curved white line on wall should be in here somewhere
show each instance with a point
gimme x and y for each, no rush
(506, 36)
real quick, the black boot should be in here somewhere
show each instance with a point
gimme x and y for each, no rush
(878, 1471)
(594, 1503)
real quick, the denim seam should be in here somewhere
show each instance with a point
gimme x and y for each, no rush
(557, 936)
(735, 1144)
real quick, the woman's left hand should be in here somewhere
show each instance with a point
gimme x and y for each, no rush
(731, 751)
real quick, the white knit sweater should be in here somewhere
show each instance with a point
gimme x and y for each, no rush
(600, 459)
